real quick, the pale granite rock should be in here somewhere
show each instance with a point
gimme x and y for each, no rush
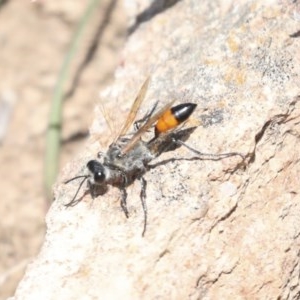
(216, 229)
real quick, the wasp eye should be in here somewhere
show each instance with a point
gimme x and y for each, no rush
(97, 170)
(99, 176)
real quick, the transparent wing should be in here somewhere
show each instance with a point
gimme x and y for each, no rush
(135, 107)
(107, 118)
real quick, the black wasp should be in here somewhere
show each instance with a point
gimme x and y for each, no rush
(128, 157)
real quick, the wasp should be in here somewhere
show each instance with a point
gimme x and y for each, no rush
(127, 158)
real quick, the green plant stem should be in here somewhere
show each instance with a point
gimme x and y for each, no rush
(53, 140)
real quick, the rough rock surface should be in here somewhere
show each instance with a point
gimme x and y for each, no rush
(216, 229)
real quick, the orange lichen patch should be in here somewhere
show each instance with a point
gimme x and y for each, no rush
(193, 122)
(236, 76)
(222, 103)
(272, 12)
(233, 43)
(212, 62)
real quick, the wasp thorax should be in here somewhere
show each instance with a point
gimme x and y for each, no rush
(97, 171)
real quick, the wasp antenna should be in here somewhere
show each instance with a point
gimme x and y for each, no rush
(73, 201)
(76, 177)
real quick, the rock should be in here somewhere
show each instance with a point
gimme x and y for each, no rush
(216, 229)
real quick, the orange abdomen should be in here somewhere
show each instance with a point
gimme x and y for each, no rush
(173, 117)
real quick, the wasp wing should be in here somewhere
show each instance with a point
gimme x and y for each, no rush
(134, 108)
(108, 119)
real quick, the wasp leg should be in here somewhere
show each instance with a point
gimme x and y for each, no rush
(124, 202)
(137, 124)
(144, 205)
(209, 155)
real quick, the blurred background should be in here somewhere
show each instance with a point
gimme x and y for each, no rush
(35, 37)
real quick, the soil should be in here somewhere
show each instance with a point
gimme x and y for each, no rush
(34, 42)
